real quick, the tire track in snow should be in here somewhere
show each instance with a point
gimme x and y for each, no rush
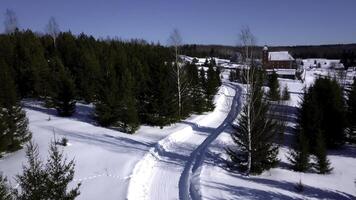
(189, 181)
(140, 185)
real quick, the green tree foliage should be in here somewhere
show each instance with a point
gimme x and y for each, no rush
(323, 109)
(351, 113)
(256, 128)
(5, 190)
(273, 84)
(13, 121)
(300, 155)
(285, 94)
(128, 118)
(46, 181)
(59, 174)
(32, 181)
(212, 84)
(63, 91)
(107, 106)
(97, 70)
(196, 96)
(322, 164)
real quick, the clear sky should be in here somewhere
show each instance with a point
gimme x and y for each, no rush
(274, 22)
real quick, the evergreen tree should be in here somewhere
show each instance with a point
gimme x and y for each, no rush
(13, 121)
(322, 164)
(274, 92)
(257, 130)
(5, 191)
(323, 110)
(64, 98)
(59, 174)
(351, 113)
(299, 156)
(285, 94)
(107, 106)
(196, 88)
(128, 120)
(212, 84)
(32, 182)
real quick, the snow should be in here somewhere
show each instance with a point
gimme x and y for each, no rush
(217, 182)
(280, 56)
(322, 62)
(182, 161)
(170, 168)
(104, 158)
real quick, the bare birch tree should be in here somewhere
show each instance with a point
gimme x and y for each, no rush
(52, 28)
(254, 151)
(11, 22)
(248, 42)
(175, 40)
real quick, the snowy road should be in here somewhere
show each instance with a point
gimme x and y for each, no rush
(171, 168)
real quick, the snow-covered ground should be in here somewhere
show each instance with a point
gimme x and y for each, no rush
(217, 182)
(104, 158)
(171, 168)
(182, 161)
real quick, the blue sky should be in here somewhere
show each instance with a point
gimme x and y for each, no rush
(274, 22)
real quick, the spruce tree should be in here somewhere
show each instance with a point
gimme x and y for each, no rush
(107, 105)
(285, 94)
(196, 89)
(59, 174)
(212, 84)
(256, 129)
(299, 155)
(351, 113)
(323, 109)
(32, 181)
(13, 121)
(64, 95)
(274, 92)
(322, 164)
(5, 191)
(128, 118)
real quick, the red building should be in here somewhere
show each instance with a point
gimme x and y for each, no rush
(277, 59)
(280, 62)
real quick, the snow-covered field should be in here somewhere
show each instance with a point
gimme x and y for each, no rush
(104, 158)
(217, 182)
(181, 161)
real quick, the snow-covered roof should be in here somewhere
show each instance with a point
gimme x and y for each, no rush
(280, 56)
(283, 71)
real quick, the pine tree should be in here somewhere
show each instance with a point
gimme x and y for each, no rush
(259, 134)
(322, 164)
(59, 175)
(299, 156)
(128, 120)
(13, 121)
(212, 84)
(323, 110)
(285, 94)
(32, 182)
(197, 98)
(351, 113)
(274, 92)
(107, 106)
(64, 95)
(5, 191)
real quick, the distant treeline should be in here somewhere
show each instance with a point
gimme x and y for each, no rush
(344, 52)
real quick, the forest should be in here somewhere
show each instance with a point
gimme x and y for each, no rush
(129, 83)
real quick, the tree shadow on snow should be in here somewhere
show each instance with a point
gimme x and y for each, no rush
(309, 192)
(345, 151)
(82, 113)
